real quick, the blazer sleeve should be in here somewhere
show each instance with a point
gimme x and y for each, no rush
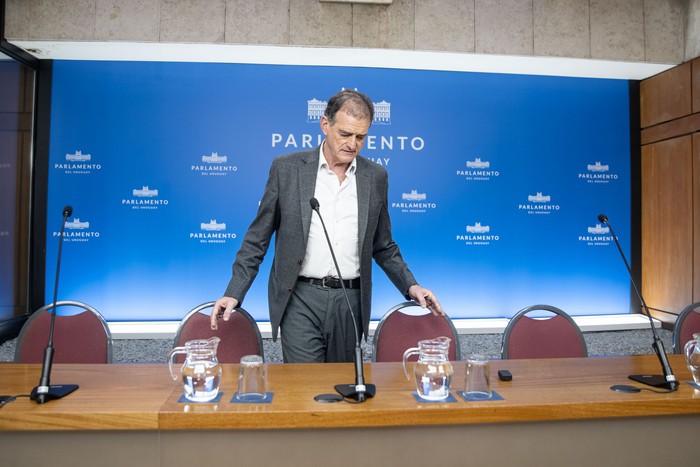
(386, 252)
(257, 239)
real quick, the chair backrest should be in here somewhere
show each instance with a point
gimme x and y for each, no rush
(554, 337)
(687, 323)
(79, 338)
(404, 325)
(239, 335)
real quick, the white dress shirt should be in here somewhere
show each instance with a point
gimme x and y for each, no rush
(338, 206)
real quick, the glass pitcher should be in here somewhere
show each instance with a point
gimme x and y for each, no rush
(692, 356)
(433, 370)
(201, 372)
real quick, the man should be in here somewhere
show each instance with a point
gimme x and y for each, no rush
(304, 294)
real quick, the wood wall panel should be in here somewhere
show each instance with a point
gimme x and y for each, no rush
(666, 96)
(670, 191)
(681, 126)
(695, 89)
(667, 224)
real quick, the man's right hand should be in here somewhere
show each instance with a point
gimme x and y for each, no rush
(223, 308)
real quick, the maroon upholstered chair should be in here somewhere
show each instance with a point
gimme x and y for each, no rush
(549, 337)
(687, 323)
(239, 335)
(78, 338)
(404, 325)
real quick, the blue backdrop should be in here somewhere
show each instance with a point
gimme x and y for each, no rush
(496, 181)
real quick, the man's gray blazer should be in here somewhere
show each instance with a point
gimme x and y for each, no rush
(285, 210)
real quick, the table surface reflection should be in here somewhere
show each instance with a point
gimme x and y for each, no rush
(144, 396)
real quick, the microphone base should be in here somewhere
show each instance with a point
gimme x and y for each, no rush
(348, 391)
(55, 392)
(658, 381)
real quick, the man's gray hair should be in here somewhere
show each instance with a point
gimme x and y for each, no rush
(355, 103)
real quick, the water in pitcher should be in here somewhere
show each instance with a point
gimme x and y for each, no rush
(433, 380)
(201, 380)
(692, 356)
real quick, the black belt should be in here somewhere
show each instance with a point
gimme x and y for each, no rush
(331, 282)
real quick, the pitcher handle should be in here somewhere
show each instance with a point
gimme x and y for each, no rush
(406, 354)
(171, 357)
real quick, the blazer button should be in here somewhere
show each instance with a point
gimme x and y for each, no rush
(289, 290)
(299, 261)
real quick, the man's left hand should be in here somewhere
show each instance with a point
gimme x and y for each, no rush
(426, 299)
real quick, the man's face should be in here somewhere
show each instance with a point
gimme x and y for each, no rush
(344, 138)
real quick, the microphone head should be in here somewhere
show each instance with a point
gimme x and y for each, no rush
(67, 211)
(603, 218)
(314, 204)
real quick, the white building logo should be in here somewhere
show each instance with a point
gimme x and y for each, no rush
(145, 192)
(539, 198)
(478, 170)
(315, 109)
(144, 198)
(76, 223)
(78, 156)
(382, 113)
(213, 164)
(413, 196)
(77, 163)
(477, 234)
(478, 228)
(478, 164)
(596, 235)
(77, 231)
(413, 202)
(215, 158)
(597, 173)
(598, 167)
(212, 232)
(213, 226)
(539, 204)
(598, 230)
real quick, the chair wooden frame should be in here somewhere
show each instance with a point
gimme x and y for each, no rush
(204, 306)
(521, 314)
(19, 358)
(377, 333)
(678, 326)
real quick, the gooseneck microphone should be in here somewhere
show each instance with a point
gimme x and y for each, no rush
(358, 391)
(45, 392)
(667, 380)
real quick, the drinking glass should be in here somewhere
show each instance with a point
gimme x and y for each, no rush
(251, 379)
(476, 378)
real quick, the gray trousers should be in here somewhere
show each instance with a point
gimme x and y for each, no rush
(317, 327)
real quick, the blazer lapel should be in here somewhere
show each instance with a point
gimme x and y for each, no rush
(307, 185)
(363, 180)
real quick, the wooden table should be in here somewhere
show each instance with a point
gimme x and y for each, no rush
(554, 412)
